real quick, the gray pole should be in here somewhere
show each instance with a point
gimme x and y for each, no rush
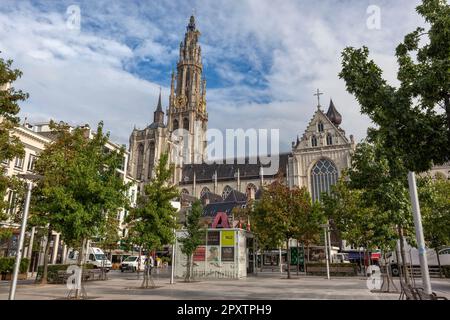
(12, 292)
(329, 245)
(326, 252)
(419, 233)
(173, 261)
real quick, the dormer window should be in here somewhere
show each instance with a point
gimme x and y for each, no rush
(314, 141)
(329, 140)
(320, 127)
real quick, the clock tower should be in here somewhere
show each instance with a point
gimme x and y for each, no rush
(187, 115)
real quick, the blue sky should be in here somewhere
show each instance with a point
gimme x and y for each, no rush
(263, 59)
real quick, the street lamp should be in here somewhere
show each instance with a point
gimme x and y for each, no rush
(29, 177)
(325, 231)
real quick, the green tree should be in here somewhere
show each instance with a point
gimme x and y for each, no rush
(410, 121)
(80, 187)
(383, 191)
(152, 222)
(281, 215)
(195, 235)
(10, 145)
(434, 195)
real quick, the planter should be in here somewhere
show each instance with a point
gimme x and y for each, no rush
(8, 276)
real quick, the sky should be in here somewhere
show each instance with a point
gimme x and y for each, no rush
(263, 59)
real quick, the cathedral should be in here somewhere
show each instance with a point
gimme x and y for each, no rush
(315, 161)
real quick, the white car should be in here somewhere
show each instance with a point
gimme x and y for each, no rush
(132, 263)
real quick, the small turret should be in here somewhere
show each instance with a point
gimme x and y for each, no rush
(334, 116)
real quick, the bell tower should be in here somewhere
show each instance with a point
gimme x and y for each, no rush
(187, 102)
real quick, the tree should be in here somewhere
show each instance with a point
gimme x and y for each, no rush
(434, 194)
(152, 222)
(281, 215)
(410, 121)
(10, 145)
(195, 235)
(80, 187)
(359, 222)
(383, 187)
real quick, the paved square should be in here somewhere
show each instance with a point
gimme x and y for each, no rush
(125, 286)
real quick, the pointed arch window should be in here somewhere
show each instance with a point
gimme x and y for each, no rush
(324, 175)
(320, 126)
(226, 192)
(175, 124)
(186, 124)
(140, 161)
(251, 191)
(204, 191)
(151, 159)
(314, 141)
(329, 139)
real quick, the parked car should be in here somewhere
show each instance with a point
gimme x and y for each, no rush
(133, 264)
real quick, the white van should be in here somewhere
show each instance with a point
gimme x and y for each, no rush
(94, 256)
(133, 264)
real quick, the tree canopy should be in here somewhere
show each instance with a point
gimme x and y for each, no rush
(413, 120)
(10, 145)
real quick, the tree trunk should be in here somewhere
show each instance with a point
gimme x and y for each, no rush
(288, 259)
(187, 278)
(439, 262)
(403, 254)
(447, 111)
(81, 259)
(298, 259)
(46, 250)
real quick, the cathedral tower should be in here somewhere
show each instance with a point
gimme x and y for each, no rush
(187, 102)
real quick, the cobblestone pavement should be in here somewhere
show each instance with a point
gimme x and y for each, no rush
(125, 286)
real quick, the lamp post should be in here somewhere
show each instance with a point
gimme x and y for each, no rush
(325, 231)
(419, 233)
(12, 292)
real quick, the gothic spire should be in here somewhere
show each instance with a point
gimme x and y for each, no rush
(332, 114)
(191, 25)
(159, 107)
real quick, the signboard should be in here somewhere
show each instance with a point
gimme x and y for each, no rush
(213, 254)
(227, 254)
(199, 254)
(295, 256)
(228, 238)
(213, 238)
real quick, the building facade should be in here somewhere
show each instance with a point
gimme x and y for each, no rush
(315, 161)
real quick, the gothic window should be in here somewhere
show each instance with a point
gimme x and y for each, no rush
(320, 126)
(226, 192)
(151, 158)
(324, 174)
(186, 124)
(314, 141)
(140, 161)
(204, 191)
(185, 191)
(175, 125)
(251, 190)
(329, 139)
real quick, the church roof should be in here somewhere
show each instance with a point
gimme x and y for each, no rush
(212, 209)
(249, 169)
(212, 197)
(236, 196)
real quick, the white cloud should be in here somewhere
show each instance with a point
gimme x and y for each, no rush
(287, 48)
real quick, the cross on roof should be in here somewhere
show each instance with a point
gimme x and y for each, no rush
(318, 94)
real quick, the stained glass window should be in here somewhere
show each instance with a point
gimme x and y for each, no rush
(324, 174)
